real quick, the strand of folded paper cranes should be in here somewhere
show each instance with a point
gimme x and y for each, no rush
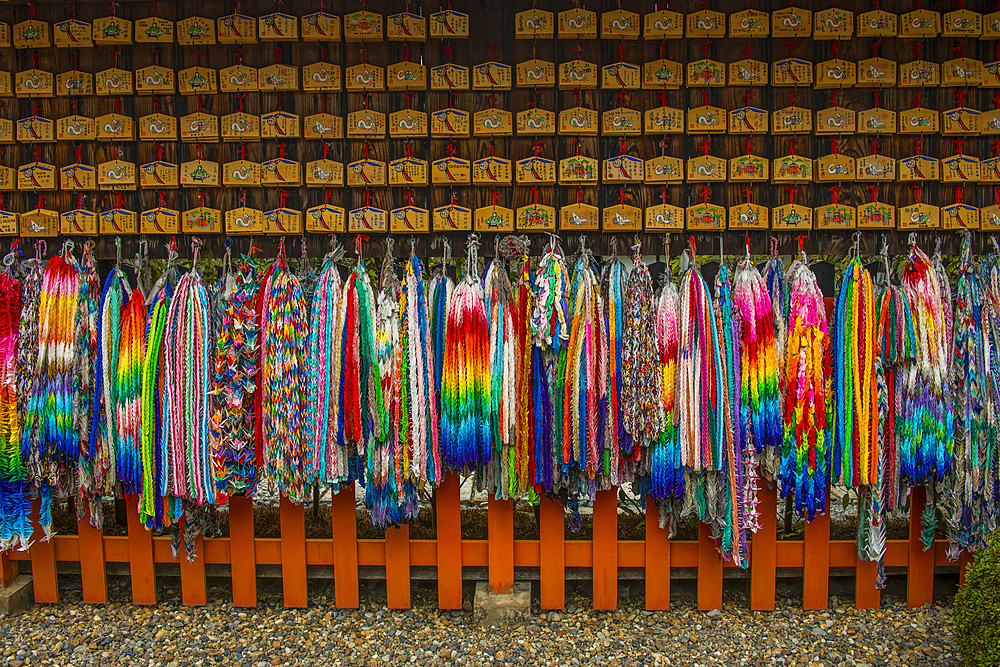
(564, 376)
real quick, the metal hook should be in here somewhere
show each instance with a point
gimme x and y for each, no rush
(857, 245)
(118, 252)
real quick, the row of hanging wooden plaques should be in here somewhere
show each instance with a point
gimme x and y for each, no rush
(662, 74)
(366, 26)
(410, 219)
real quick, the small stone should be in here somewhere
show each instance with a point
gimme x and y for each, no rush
(714, 612)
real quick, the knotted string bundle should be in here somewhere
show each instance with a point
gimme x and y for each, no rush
(466, 435)
(49, 436)
(15, 504)
(94, 470)
(808, 396)
(584, 390)
(330, 460)
(759, 395)
(421, 406)
(642, 401)
(933, 425)
(283, 330)
(897, 350)
(236, 355)
(856, 445)
(504, 352)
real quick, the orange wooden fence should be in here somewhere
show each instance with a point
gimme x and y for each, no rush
(816, 554)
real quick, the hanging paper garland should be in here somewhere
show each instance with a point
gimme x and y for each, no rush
(231, 433)
(699, 383)
(49, 436)
(330, 459)
(778, 286)
(15, 504)
(759, 395)
(128, 376)
(808, 399)
(584, 390)
(666, 468)
(104, 428)
(524, 305)
(466, 438)
(897, 350)
(390, 493)
(972, 490)
(423, 432)
(549, 324)
(187, 339)
(359, 424)
(933, 424)
(504, 351)
(616, 439)
(286, 455)
(95, 472)
(856, 445)
(641, 398)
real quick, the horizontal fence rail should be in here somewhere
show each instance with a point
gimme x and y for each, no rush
(816, 554)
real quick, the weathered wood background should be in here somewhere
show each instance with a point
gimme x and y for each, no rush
(492, 27)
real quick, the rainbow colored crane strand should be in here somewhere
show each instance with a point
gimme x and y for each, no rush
(759, 395)
(897, 350)
(104, 429)
(231, 432)
(504, 353)
(934, 418)
(94, 470)
(330, 460)
(466, 436)
(666, 464)
(584, 390)
(856, 444)
(808, 396)
(128, 382)
(15, 504)
(287, 458)
(187, 381)
(49, 436)
(641, 384)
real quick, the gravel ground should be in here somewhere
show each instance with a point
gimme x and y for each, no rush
(219, 634)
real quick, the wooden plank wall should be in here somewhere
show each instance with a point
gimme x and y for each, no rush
(492, 32)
